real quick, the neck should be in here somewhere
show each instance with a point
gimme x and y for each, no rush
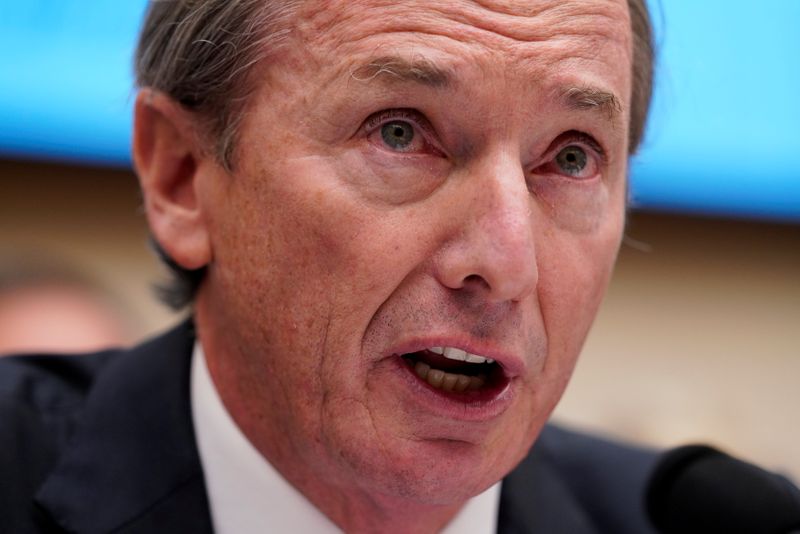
(360, 511)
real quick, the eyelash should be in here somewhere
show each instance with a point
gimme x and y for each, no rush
(376, 120)
(573, 137)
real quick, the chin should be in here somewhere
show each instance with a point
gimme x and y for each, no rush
(436, 472)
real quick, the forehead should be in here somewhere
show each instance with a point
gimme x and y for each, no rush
(590, 38)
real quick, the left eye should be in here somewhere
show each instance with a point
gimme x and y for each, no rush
(571, 160)
(573, 155)
(398, 135)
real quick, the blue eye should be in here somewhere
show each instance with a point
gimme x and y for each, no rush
(402, 133)
(572, 160)
(398, 135)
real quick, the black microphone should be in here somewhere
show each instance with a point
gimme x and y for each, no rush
(698, 489)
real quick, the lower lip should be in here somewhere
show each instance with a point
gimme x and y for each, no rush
(473, 406)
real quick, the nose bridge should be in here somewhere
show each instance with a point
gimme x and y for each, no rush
(502, 207)
(497, 240)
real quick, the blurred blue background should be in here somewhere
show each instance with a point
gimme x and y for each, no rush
(723, 137)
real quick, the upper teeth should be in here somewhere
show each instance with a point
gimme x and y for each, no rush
(453, 353)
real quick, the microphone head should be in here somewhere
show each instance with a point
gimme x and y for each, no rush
(697, 489)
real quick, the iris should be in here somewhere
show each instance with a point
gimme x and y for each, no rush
(397, 135)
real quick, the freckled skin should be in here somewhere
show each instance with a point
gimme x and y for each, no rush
(329, 249)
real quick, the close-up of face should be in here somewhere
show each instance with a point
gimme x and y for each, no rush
(423, 212)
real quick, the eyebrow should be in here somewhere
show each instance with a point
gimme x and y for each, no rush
(592, 98)
(423, 71)
(418, 70)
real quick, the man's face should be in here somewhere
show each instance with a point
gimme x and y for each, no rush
(414, 176)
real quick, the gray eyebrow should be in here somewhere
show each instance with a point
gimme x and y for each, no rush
(418, 70)
(423, 71)
(592, 98)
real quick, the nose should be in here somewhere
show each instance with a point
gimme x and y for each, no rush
(492, 252)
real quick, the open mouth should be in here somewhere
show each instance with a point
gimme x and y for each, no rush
(455, 371)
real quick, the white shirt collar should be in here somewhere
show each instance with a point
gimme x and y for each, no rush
(248, 496)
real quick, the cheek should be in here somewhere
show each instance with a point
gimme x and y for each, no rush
(580, 207)
(574, 273)
(361, 246)
(320, 258)
(383, 178)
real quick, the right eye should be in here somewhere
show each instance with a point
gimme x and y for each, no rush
(398, 135)
(403, 131)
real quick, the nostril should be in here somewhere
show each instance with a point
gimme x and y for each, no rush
(475, 280)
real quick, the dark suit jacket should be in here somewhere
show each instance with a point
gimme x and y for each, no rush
(105, 443)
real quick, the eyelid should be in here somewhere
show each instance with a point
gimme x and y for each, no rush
(377, 119)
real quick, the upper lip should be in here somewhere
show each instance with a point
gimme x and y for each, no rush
(511, 363)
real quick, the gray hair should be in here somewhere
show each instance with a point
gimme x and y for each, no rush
(202, 52)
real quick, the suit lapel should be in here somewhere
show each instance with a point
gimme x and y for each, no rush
(132, 465)
(536, 499)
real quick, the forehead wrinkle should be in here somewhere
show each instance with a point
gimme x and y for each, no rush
(470, 20)
(525, 43)
(549, 21)
(531, 8)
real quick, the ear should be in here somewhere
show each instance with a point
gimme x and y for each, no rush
(168, 157)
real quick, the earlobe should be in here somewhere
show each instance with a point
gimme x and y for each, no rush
(168, 159)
